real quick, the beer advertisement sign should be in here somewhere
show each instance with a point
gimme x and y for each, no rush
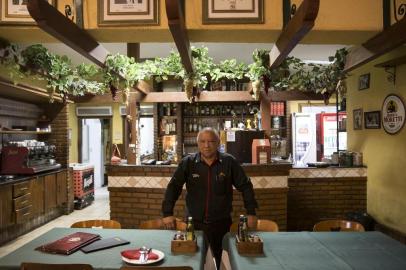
(393, 114)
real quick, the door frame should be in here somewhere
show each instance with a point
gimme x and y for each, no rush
(80, 118)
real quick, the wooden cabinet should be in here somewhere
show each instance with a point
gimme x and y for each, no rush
(61, 188)
(49, 191)
(37, 195)
(22, 201)
(6, 206)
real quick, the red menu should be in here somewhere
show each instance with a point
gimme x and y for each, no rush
(69, 244)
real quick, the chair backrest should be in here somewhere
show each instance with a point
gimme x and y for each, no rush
(263, 225)
(46, 266)
(338, 225)
(157, 224)
(156, 268)
(103, 223)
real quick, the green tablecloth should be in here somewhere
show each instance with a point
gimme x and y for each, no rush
(321, 250)
(109, 258)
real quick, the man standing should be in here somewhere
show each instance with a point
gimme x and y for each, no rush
(209, 176)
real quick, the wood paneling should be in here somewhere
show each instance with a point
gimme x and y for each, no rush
(62, 192)
(50, 192)
(37, 196)
(6, 206)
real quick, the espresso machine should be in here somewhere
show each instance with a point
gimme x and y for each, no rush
(28, 157)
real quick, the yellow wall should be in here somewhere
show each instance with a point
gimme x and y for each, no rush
(384, 154)
(73, 127)
(117, 127)
(338, 22)
(294, 106)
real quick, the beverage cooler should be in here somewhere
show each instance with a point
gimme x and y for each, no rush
(327, 134)
(83, 184)
(304, 138)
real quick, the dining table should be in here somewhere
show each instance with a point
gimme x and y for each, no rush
(108, 259)
(318, 250)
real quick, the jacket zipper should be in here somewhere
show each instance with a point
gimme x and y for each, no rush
(208, 194)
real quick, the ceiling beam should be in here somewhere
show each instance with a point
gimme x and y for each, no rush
(387, 40)
(57, 25)
(176, 23)
(300, 24)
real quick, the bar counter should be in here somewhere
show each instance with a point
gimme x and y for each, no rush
(292, 197)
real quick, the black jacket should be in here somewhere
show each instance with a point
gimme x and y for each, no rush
(213, 203)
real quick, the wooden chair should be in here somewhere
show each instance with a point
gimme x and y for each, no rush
(263, 225)
(338, 225)
(101, 223)
(156, 268)
(46, 266)
(157, 224)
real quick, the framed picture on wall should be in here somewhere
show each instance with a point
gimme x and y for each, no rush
(363, 81)
(357, 119)
(16, 12)
(128, 12)
(233, 11)
(372, 120)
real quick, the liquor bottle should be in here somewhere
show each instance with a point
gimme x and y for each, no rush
(190, 125)
(190, 230)
(240, 228)
(195, 125)
(244, 229)
(197, 112)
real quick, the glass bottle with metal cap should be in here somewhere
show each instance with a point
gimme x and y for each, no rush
(190, 230)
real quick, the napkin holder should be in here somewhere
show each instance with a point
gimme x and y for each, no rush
(184, 246)
(249, 247)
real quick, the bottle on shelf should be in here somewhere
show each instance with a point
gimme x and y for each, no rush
(190, 230)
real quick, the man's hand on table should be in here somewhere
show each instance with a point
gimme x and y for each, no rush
(169, 222)
(252, 221)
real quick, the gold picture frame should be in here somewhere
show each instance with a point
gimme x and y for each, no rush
(128, 12)
(15, 12)
(233, 11)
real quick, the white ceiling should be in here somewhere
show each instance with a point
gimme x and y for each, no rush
(219, 51)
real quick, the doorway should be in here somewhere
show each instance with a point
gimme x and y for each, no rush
(94, 146)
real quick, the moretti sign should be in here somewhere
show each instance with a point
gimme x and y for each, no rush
(393, 114)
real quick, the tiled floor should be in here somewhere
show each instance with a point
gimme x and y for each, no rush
(99, 209)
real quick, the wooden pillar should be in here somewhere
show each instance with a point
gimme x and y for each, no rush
(265, 108)
(133, 50)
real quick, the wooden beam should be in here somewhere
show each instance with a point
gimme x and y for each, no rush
(176, 23)
(301, 23)
(205, 96)
(57, 25)
(387, 40)
(290, 95)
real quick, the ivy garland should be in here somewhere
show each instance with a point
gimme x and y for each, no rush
(122, 72)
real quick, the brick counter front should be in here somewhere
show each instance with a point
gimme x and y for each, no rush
(319, 194)
(136, 193)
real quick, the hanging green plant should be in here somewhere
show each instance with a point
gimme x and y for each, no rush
(121, 68)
